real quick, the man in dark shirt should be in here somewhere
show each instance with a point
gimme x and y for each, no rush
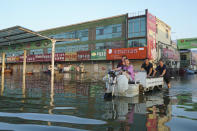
(162, 70)
(148, 67)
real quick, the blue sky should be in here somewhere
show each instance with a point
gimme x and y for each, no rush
(43, 14)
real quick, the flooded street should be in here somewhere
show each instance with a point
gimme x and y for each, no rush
(76, 103)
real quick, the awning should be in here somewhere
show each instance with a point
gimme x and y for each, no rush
(18, 34)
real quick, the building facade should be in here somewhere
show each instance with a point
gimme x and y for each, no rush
(188, 53)
(100, 44)
(166, 48)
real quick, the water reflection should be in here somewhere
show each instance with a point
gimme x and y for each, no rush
(75, 101)
(148, 112)
(2, 83)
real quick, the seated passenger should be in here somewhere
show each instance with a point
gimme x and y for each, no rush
(128, 70)
(148, 67)
(120, 64)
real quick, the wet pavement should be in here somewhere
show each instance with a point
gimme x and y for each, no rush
(76, 103)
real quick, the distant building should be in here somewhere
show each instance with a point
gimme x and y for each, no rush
(188, 52)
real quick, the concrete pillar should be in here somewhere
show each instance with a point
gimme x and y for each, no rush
(2, 73)
(52, 79)
(51, 100)
(24, 72)
(23, 87)
(52, 62)
(24, 63)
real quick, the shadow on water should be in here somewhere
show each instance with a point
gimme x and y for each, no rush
(76, 103)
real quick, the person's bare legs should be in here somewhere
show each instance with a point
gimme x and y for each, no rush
(169, 85)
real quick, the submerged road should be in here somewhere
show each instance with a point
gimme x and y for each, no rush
(76, 103)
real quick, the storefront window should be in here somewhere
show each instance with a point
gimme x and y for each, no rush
(183, 57)
(108, 32)
(137, 43)
(36, 52)
(82, 35)
(113, 45)
(100, 46)
(17, 53)
(76, 48)
(137, 27)
(167, 34)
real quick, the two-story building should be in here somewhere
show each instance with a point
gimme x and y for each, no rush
(100, 44)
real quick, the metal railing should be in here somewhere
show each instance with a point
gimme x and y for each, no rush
(139, 13)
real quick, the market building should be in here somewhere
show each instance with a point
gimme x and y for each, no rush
(188, 53)
(98, 44)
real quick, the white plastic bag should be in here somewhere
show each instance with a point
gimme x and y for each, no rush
(122, 84)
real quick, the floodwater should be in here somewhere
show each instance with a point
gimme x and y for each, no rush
(76, 103)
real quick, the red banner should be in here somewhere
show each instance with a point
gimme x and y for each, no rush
(83, 55)
(131, 53)
(151, 36)
(42, 58)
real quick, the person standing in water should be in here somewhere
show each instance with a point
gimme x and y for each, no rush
(162, 70)
(148, 67)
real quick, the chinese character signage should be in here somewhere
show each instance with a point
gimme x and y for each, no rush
(151, 36)
(83, 55)
(171, 54)
(31, 58)
(131, 53)
(11, 59)
(72, 56)
(47, 57)
(38, 58)
(187, 43)
(98, 55)
(59, 56)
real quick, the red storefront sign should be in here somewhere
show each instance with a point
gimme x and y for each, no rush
(31, 58)
(60, 57)
(39, 58)
(151, 36)
(131, 53)
(46, 57)
(21, 58)
(71, 56)
(83, 55)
